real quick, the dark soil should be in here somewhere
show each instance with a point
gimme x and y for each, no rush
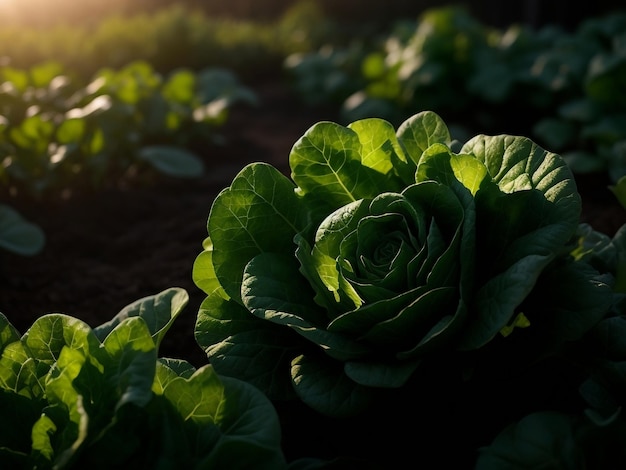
(108, 248)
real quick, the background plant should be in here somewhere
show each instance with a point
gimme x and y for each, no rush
(58, 132)
(547, 83)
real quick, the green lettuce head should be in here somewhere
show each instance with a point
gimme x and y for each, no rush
(384, 248)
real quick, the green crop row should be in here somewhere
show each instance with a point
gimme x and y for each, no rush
(57, 130)
(566, 90)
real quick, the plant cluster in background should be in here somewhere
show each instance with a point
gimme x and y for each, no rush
(58, 134)
(563, 89)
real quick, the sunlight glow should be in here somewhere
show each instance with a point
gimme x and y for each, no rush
(45, 12)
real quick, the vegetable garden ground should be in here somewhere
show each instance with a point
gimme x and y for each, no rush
(136, 238)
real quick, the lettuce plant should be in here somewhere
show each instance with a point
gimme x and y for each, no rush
(385, 249)
(72, 396)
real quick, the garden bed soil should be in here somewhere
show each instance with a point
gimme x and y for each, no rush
(108, 248)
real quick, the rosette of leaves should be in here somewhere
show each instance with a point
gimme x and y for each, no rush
(384, 248)
(76, 397)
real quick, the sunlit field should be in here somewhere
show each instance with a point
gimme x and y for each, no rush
(44, 13)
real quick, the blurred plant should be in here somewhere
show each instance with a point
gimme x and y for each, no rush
(419, 65)
(18, 235)
(57, 133)
(565, 90)
(590, 127)
(327, 76)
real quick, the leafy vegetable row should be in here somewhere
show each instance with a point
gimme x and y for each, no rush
(58, 134)
(56, 131)
(563, 89)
